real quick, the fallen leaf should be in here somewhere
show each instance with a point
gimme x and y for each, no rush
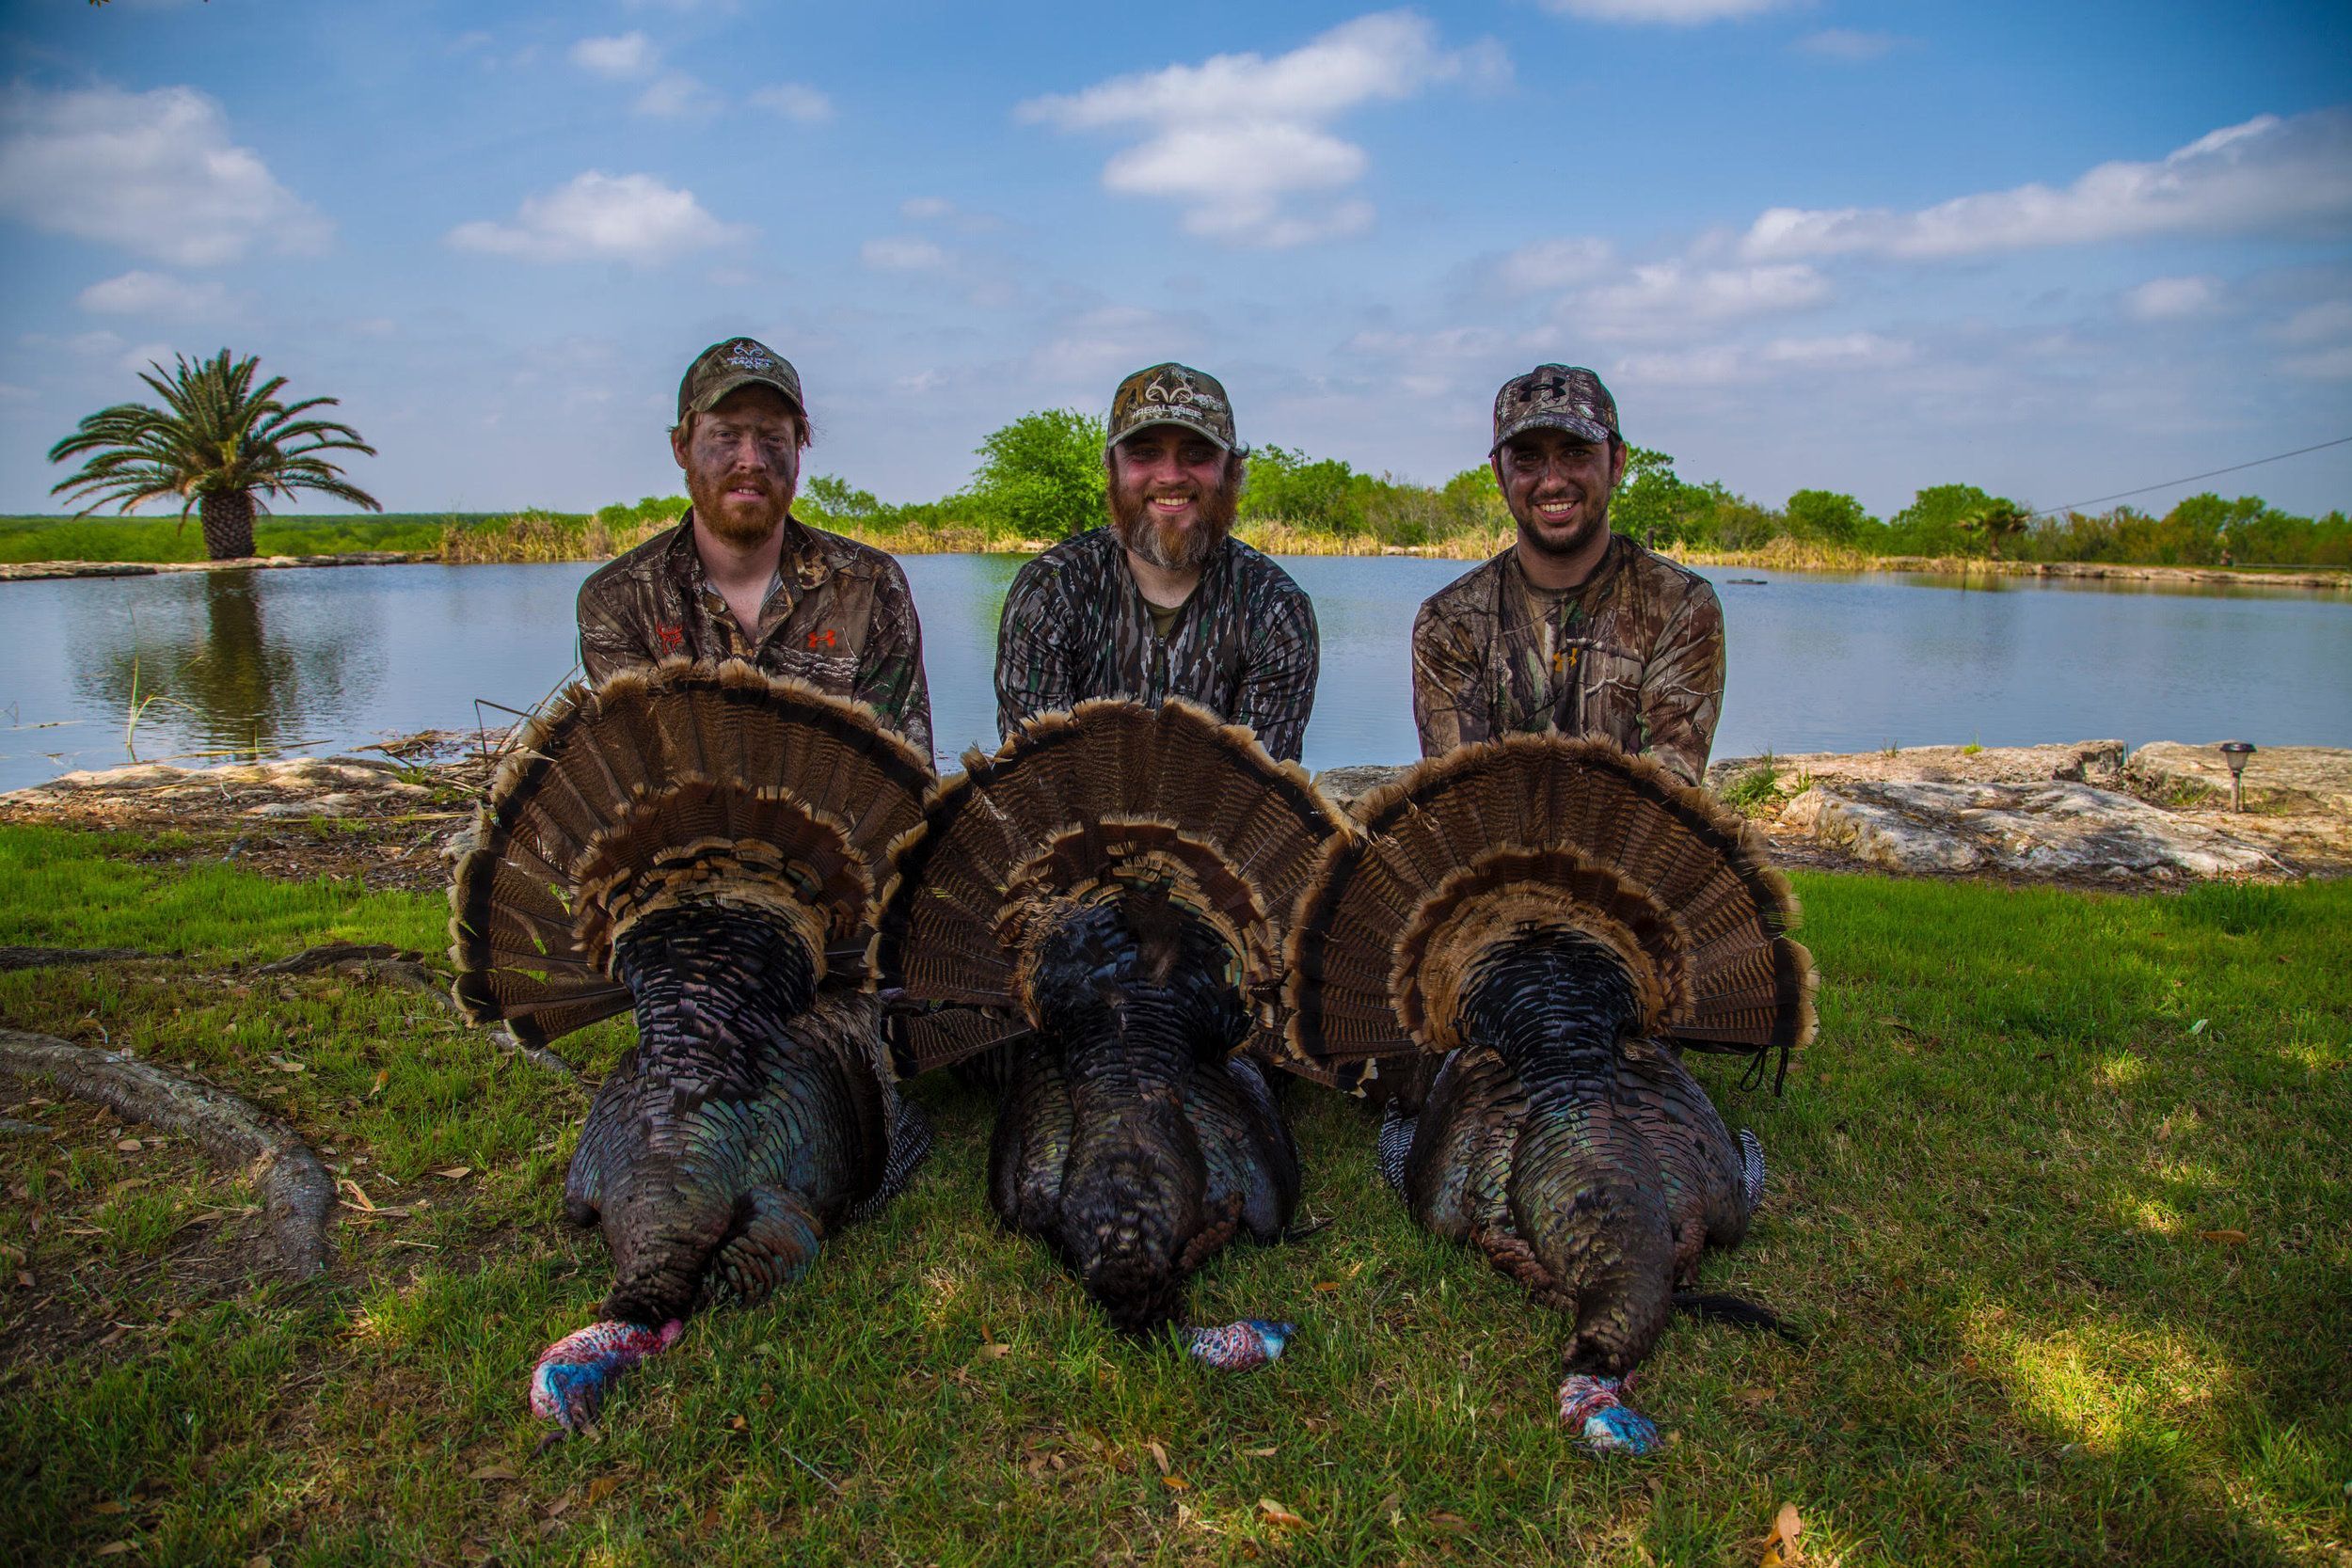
(2198, 1027)
(1453, 1522)
(1159, 1456)
(1782, 1546)
(1327, 1284)
(454, 1173)
(359, 1198)
(995, 1353)
(1257, 1453)
(109, 1505)
(738, 1423)
(258, 1560)
(710, 1518)
(1176, 1483)
(494, 1472)
(116, 1548)
(2223, 1238)
(383, 1076)
(129, 1145)
(1277, 1514)
(24, 1280)
(602, 1487)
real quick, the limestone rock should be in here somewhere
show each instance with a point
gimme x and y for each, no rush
(2291, 778)
(2082, 760)
(2052, 828)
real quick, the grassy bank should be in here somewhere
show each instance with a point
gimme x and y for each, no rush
(2058, 1195)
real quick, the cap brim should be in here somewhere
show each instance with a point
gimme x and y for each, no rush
(1585, 430)
(1200, 430)
(713, 396)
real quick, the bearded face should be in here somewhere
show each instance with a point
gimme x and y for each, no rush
(742, 463)
(1173, 496)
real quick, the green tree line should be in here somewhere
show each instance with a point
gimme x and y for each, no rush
(1040, 478)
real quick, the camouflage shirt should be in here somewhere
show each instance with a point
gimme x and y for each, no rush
(1635, 654)
(1243, 645)
(838, 616)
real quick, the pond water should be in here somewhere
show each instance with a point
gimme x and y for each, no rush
(299, 661)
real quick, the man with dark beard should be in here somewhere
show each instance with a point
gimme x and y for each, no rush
(1164, 602)
(740, 577)
(1573, 628)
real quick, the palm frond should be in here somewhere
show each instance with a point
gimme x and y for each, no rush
(215, 434)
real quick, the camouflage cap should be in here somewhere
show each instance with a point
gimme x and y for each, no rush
(1555, 397)
(1172, 394)
(732, 363)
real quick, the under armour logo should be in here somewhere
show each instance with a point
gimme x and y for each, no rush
(824, 638)
(672, 638)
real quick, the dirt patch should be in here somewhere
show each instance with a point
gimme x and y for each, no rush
(382, 818)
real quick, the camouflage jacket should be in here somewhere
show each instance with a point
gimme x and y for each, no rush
(1243, 647)
(1635, 654)
(839, 618)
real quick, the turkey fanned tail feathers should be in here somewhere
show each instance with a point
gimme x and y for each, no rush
(1551, 916)
(1108, 891)
(709, 846)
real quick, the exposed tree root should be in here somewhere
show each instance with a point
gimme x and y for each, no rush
(537, 1056)
(298, 1195)
(59, 957)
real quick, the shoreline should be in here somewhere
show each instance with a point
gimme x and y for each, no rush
(2082, 814)
(1825, 563)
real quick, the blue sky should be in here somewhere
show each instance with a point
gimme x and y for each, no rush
(2057, 251)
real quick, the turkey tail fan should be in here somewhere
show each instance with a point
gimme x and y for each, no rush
(675, 781)
(1529, 833)
(1109, 799)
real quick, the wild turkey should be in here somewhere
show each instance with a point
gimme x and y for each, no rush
(1541, 910)
(1114, 883)
(709, 845)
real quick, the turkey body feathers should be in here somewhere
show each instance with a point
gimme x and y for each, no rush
(1114, 881)
(1539, 912)
(709, 847)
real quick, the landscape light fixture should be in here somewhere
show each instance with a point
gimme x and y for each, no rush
(2234, 753)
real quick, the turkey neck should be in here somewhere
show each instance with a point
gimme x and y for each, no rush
(714, 987)
(1133, 999)
(712, 982)
(1582, 1194)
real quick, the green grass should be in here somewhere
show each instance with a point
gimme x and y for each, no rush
(150, 538)
(1990, 1177)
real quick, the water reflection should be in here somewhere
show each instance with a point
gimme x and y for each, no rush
(273, 660)
(211, 671)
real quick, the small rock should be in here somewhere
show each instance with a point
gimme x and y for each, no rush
(2055, 829)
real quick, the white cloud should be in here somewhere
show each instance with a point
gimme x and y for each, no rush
(795, 101)
(2316, 323)
(1098, 347)
(1236, 137)
(2334, 364)
(1725, 365)
(1672, 13)
(2171, 298)
(926, 208)
(1843, 351)
(898, 254)
(154, 293)
(153, 172)
(627, 217)
(1553, 264)
(675, 95)
(1846, 44)
(621, 58)
(2266, 174)
(1663, 296)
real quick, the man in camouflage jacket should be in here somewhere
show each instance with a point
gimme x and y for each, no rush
(1573, 628)
(1164, 602)
(833, 613)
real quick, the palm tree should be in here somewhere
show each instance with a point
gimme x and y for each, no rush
(1996, 520)
(215, 442)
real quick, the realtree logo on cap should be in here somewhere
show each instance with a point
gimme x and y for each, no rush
(1172, 394)
(734, 362)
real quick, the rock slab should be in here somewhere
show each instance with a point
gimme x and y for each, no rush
(2050, 829)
